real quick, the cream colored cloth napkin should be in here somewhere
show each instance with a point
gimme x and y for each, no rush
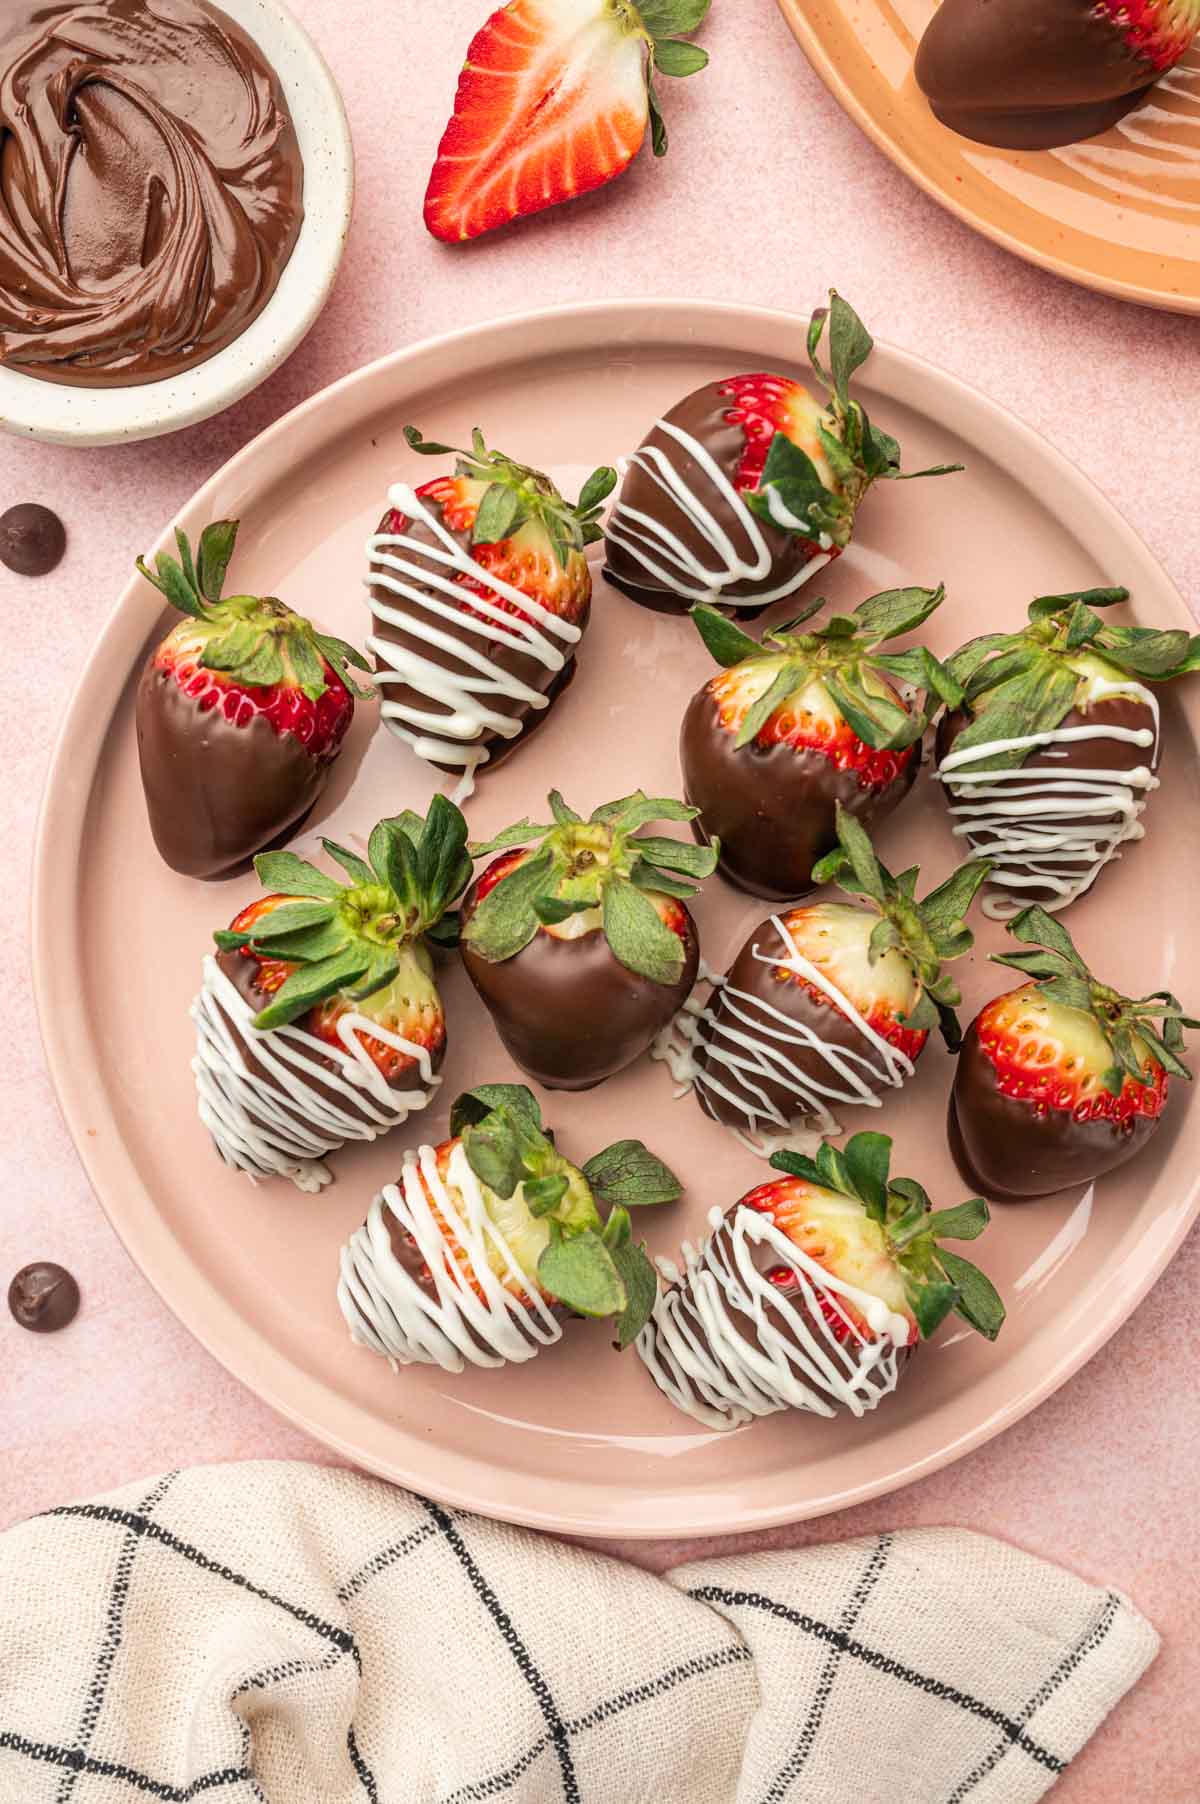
(293, 1635)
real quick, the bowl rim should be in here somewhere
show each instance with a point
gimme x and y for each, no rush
(66, 414)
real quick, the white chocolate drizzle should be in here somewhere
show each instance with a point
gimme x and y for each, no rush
(670, 564)
(726, 1345)
(471, 1313)
(1050, 831)
(747, 1040)
(433, 609)
(277, 1122)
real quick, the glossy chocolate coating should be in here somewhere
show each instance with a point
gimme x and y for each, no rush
(151, 188)
(217, 793)
(800, 1002)
(568, 1011)
(408, 1255)
(774, 807)
(43, 1297)
(703, 416)
(1004, 1150)
(508, 654)
(1124, 712)
(32, 539)
(1029, 74)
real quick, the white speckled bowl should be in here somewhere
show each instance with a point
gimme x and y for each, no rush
(109, 416)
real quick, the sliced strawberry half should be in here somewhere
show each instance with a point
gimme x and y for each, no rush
(553, 101)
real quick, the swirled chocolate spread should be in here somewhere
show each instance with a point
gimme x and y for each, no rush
(151, 188)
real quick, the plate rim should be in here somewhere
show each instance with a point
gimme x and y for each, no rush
(460, 1480)
(828, 70)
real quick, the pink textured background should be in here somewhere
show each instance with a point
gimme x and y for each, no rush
(769, 195)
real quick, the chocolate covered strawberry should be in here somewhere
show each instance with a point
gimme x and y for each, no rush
(578, 939)
(490, 1240)
(319, 1020)
(1063, 1079)
(812, 1291)
(554, 100)
(749, 486)
(480, 594)
(241, 712)
(801, 723)
(1050, 760)
(828, 1006)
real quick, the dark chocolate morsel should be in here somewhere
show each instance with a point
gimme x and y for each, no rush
(32, 539)
(1004, 1150)
(569, 1011)
(774, 807)
(1029, 74)
(703, 415)
(43, 1297)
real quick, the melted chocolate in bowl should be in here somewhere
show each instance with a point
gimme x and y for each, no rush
(151, 189)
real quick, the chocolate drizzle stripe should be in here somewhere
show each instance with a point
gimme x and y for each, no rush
(669, 563)
(438, 737)
(467, 1311)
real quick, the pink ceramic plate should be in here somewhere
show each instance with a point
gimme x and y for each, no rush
(579, 1440)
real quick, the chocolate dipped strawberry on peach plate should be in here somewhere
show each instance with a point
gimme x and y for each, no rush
(1063, 1079)
(319, 1019)
(480, 595)
(578, 938)
(812, 1291)
(749, 486)
(241, 713)
(490, 1242)
(801, 724)
(827, 1006)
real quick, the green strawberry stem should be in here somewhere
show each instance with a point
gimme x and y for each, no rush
(517, 494)
(253, 639)
(1128, 1025)
(927, 933)
(935, 1281)
(590, 1264)
(791, 494)
(839, 655)
(604, 863)
(349, 939)
(1018, 685)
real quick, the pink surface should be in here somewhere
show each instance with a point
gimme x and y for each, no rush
(1103, 1477)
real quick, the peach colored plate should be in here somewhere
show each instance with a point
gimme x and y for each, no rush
(579, 1439)
(1120, 212)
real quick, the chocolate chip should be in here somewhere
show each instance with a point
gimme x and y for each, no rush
(32, 539)
(43, 1297)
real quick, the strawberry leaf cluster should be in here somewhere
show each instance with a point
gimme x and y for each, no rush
(516, 494)
(665, 24)
(935, 1281)
(840, 656)
(604, 864)
(348, 939)
(591, 1263)
(1129, 1025)
(927, 933)
(254, 639)
(792, 494)
(1017, 685)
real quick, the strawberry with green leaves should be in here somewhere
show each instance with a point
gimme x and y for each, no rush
(554, 100)
(319, 1020)
(480, 594)
(1064, 1078)
(830, 1005)
(750, 485)
(578, 938)
(241, 712)
(794, 726)
(490, 1240)
(812, 1291)
(1052, 756)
